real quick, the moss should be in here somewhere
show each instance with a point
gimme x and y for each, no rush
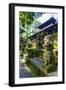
(35, 71)
(35, 52)
(50, 68)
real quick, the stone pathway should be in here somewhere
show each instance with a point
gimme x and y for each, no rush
(24, 71)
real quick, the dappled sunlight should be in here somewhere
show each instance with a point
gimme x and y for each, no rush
(38, 45)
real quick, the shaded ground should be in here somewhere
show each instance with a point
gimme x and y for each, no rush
(24, 71)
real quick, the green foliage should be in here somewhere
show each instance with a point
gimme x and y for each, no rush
(35, 52)
(28, 22)
(50, 68)
(21, 54)
(26, 18)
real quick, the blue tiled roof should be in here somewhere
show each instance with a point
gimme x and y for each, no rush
(48, 22)
(49, 30)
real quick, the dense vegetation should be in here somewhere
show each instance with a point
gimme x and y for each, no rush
(45, 47)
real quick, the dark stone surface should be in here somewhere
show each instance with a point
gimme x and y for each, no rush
(23, 72)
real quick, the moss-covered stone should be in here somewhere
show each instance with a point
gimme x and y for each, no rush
(50, 68)
(35, 52)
